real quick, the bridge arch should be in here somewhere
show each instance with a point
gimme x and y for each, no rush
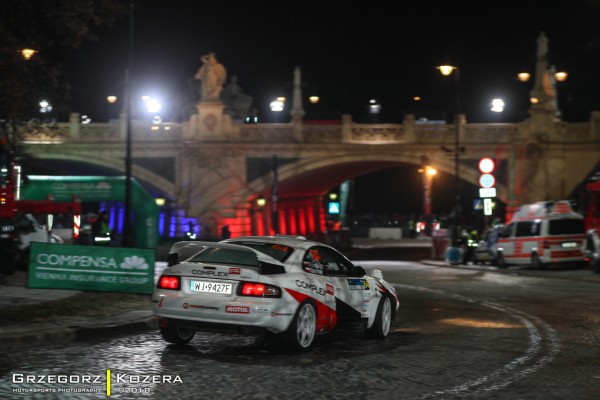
(150, 179)
(303, 183)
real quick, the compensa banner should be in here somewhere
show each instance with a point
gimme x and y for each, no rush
(93, 268)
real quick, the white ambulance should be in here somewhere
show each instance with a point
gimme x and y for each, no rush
(541, 234)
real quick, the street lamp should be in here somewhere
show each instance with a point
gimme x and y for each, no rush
(127, 228)
(261, 201)
(497, 105)
(28, 53)
(428, 172)
(447, 70)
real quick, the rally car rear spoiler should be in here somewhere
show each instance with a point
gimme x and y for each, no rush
(181, 251)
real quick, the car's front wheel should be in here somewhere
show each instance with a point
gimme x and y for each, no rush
(302, 330)
(176, 335)
(383, 320)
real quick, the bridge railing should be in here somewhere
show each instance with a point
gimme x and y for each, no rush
(344, 132)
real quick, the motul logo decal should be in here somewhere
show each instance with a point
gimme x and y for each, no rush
(237, 310)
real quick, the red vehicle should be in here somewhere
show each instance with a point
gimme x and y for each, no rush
(14, 222)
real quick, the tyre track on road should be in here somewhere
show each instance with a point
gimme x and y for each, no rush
(544, 346)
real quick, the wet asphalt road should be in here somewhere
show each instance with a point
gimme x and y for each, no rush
(459, 334)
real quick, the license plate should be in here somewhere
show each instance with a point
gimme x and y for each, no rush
(568, 244)
(211, 287)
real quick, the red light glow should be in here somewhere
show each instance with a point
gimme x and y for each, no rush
(253, 289)
(169, 282)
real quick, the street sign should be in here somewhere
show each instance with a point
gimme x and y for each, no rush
(486, 165)
(487, 192)
(487, 206)
(487, 181)
(478, 204)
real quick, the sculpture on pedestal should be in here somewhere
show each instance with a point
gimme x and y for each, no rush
(212, 76)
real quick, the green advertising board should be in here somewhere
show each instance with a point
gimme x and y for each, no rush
(92, 268)
(100, 188)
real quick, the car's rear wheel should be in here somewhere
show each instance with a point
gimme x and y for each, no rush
(383, 320)
(302, 330)
(176, 335)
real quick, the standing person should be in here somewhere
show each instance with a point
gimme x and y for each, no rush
(101, 230)
(225, 232)
(412, 227)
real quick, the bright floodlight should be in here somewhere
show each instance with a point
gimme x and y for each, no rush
(45, 106)
(153, 106)
(374, 106)
(277, 105)
(497, 105)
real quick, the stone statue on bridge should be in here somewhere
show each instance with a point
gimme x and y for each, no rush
(212, 76)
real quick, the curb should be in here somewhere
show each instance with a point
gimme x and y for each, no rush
(45, 333)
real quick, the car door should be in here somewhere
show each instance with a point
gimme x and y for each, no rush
(352, 293)
(506, 243)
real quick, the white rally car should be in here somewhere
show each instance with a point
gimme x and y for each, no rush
(282, 285)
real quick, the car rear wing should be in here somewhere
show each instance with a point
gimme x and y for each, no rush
(182, 251)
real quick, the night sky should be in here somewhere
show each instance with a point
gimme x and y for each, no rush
(349, 53)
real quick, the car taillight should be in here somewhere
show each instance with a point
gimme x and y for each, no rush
(258, 290)
(169, 282)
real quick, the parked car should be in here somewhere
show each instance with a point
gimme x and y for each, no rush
(16, 236)
(285, 286)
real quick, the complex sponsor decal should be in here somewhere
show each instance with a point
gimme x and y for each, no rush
(237, 310)
(309, 286)
(217, 274)
(358, 284)
(107, 382)
(96, 268)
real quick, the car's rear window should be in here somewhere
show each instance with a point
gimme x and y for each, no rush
(571, 226)
(218, 255)
(277, 251)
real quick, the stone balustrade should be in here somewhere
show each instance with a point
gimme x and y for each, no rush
(345, 132)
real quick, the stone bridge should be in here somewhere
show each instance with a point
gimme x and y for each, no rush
(214, 168)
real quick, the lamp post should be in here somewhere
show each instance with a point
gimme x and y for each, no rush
(447, 70)
(127, 239)
(428, 172)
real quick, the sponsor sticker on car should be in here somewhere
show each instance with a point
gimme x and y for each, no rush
(358, 284)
